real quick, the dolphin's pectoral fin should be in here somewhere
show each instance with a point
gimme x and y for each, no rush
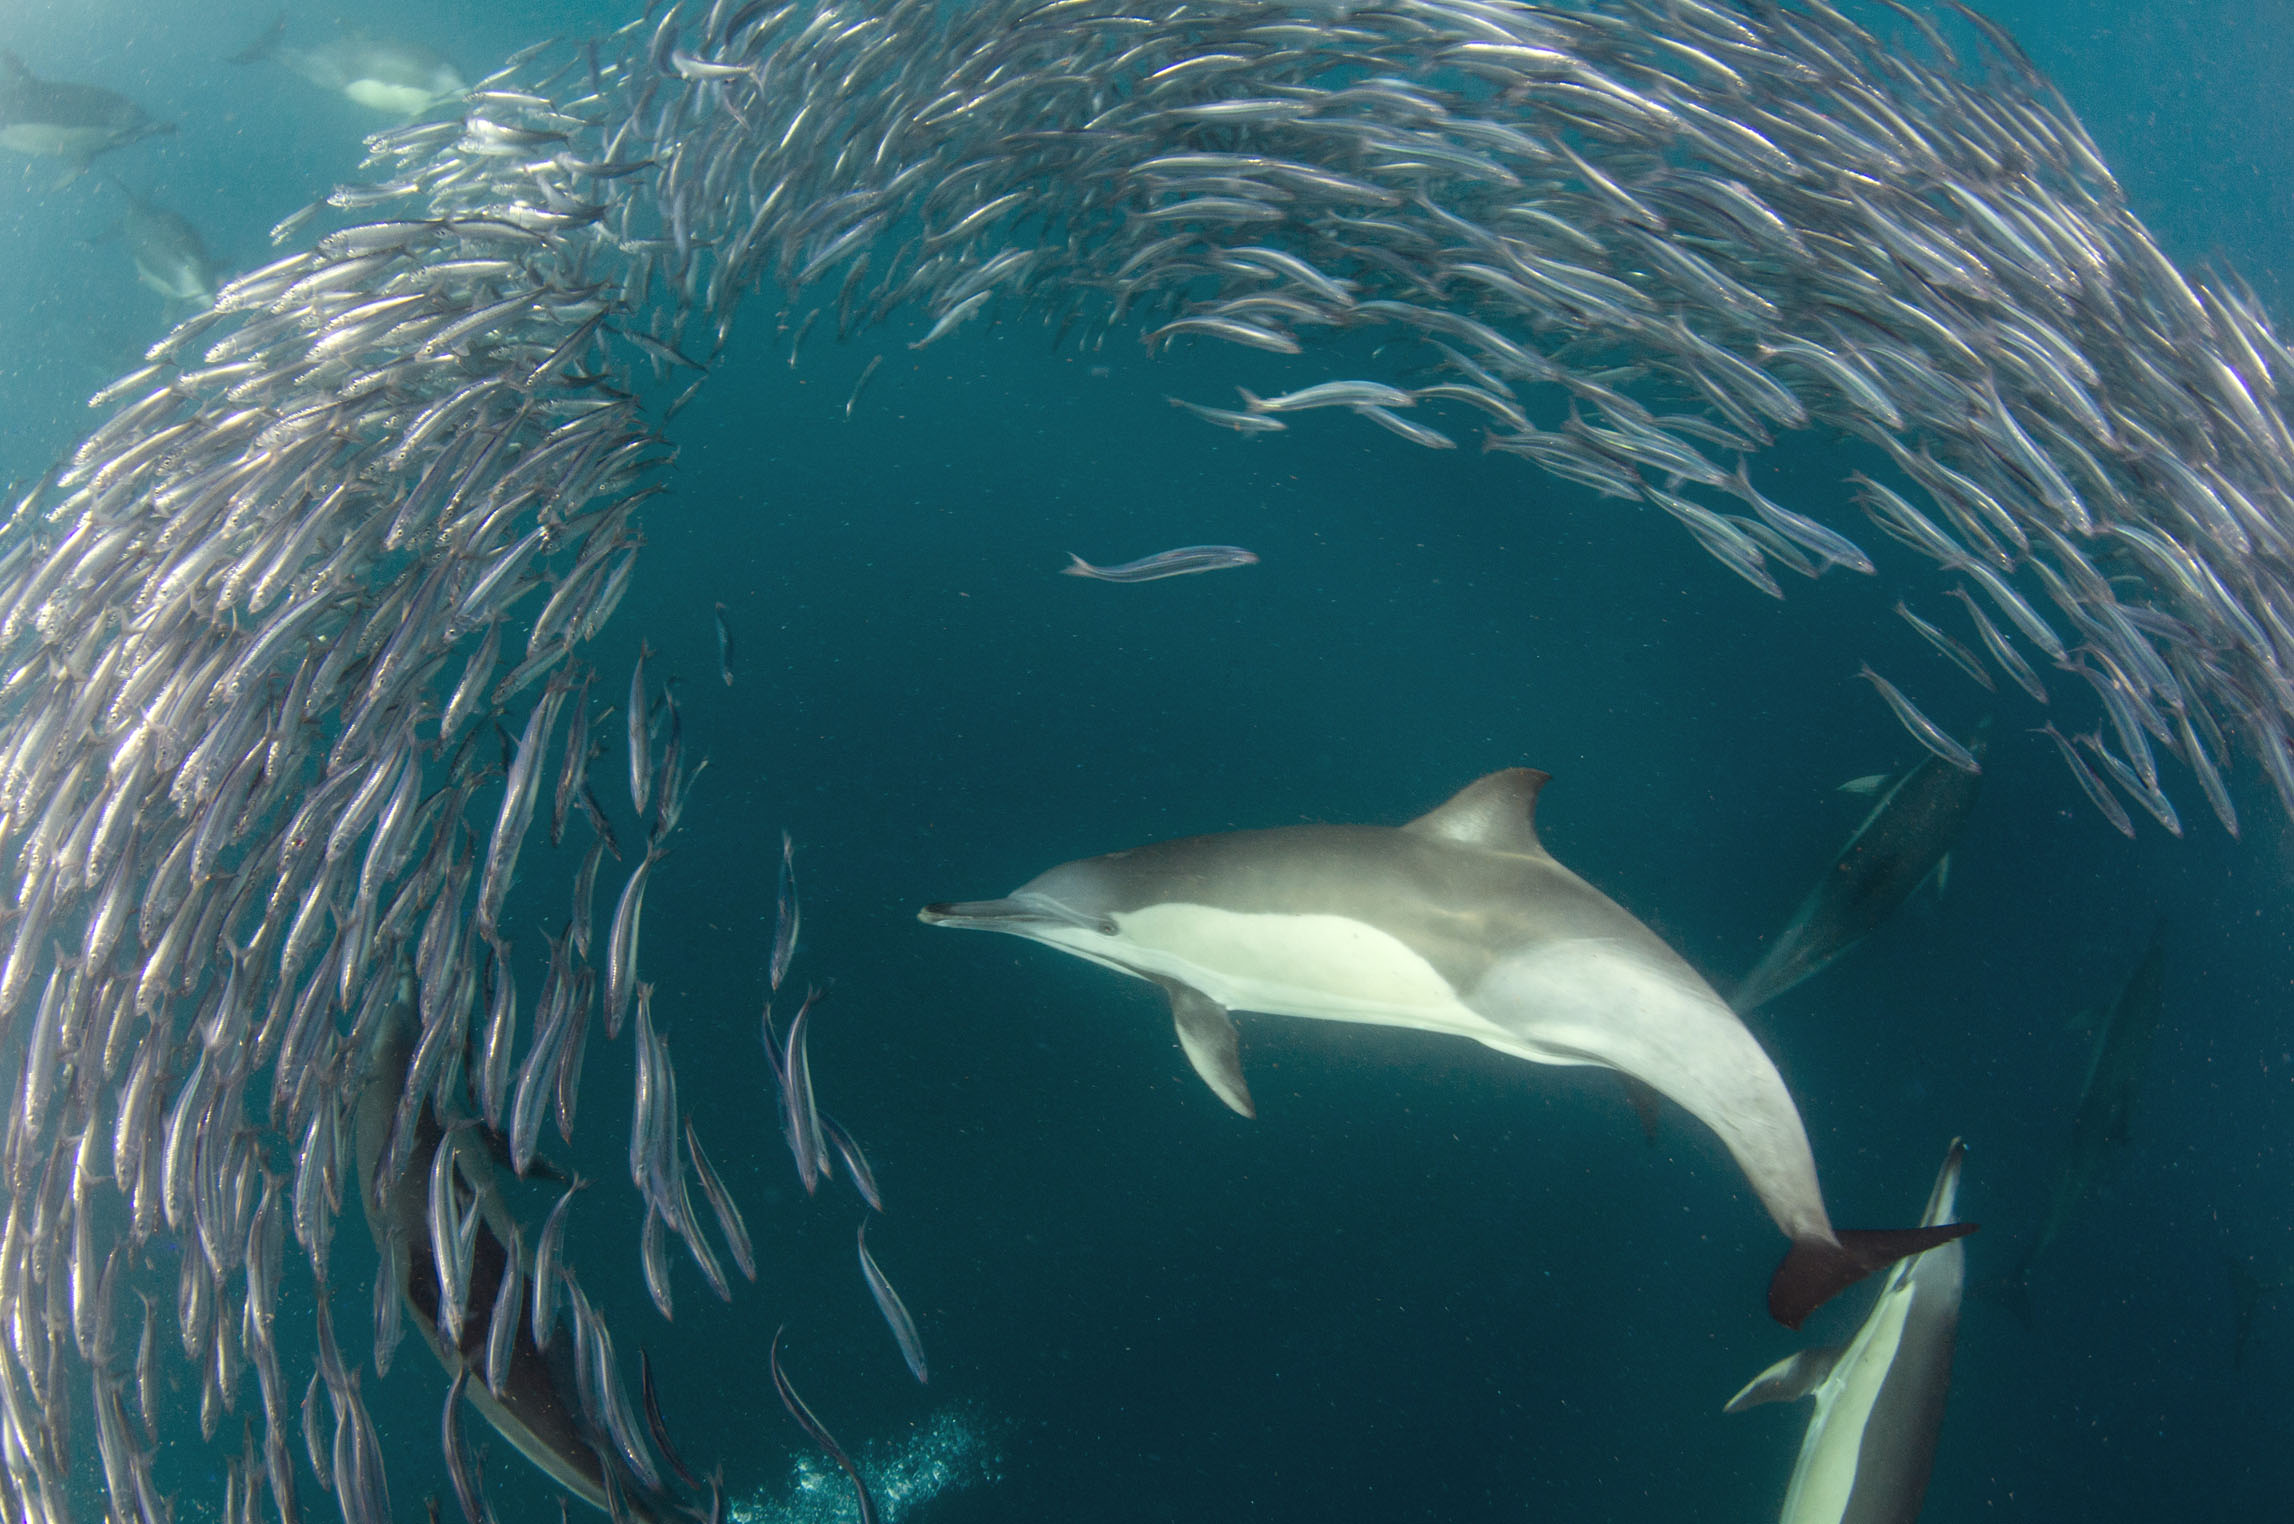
(1788, 1380)
(1643, 1098)
(1497, 811)
(1207, 1032)
(1816, 1270)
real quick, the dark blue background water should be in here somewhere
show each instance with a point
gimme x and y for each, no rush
(1428, 1282)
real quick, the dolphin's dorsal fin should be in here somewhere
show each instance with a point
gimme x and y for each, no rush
(1207, 1033)
(1945, 1196)
(1497, 812)
(1788, 1380)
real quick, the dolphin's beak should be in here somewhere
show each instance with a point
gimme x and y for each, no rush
(980, 915)
(1023, 914)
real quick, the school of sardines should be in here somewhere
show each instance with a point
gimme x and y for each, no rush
(293, 644)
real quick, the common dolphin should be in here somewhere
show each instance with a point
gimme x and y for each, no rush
(65, 121)
(1879, 1397)
(1458, 922)
(1900, 845)
(2116, 1064)
(170, 257)
(534, 1410)
(381, 74)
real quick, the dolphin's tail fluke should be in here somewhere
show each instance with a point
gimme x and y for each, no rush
(263, 46)
(1816, 1270)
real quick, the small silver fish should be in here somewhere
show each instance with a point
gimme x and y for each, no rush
(800, 1112)
(1227, 418)
(855, 1163)
(721, 1202)
(1924, 730)
(724, 648)
(1416, 433)
(895, 1311)
(1168, 563)
(1331, 394)
(1959, 655)
(2090, 785)
(786, 920)
(817, 1432)
(640, 735)
(866, 373)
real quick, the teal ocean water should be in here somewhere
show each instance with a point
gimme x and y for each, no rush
(1428, 1282)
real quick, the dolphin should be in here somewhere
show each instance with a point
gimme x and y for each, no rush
(381, 74)
(535, 1409)
(1879, 1397)
(1906, 839)
(1459, 922)
(2100, 1125)
(170, 258)
(74, 123)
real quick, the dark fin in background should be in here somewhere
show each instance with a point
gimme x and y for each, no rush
(1814, 1271)
(1643, 1098)
(264, 46)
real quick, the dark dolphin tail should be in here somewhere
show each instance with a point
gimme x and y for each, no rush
(1814, 1270)
(264, 46)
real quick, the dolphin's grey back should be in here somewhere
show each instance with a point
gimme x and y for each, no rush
(1900, 845)
(24, 97)
(1460, 907)
(1895, 849)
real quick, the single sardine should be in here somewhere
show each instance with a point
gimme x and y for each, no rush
(1168, 563)
(895, 1311)
(1924, 730)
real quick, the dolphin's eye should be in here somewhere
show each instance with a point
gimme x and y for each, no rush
(1107, 928)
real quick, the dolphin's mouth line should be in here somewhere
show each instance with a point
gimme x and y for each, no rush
(1014, 914)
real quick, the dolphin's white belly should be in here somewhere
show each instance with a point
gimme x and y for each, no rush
(176, 282)
(1328, 967)
(386, 95)
(46, 138)
(1587, 1000)
(1824, 1478)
